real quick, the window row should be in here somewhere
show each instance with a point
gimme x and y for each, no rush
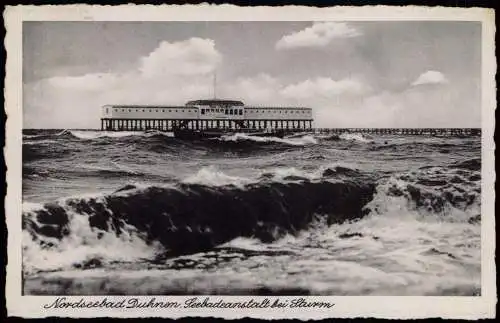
(271, 111)
(225, 111)
(153, 110)
(203, 111)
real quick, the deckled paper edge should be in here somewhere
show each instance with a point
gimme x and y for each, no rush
(363, 306)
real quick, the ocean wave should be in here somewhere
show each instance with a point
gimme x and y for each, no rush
(211, 176)
(39, 142)
(115, 169)
(89, 134)
(435, 192)
(473, 164)
(212, 208)
(56, 237)
(413, 146)
(356, 137)
(329, 137)
(184, 218)
(295, 141)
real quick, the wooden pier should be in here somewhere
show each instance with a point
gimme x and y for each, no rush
(445, 132)
(289, 126)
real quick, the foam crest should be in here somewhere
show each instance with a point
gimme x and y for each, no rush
(89, 134)
(354, 137)
(153, 133)
(423, 194)
(299, 141)
(84, 245)
(211, 176)
(290, 173)
(39, 142)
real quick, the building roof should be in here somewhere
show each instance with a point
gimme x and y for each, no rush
(215, 102)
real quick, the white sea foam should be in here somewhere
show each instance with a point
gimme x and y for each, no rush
(88, 134)
(39, 142)
(85, 243)
(92, 134)
(355, 137)
(211, 176)
(151, 133)
(285, 173)
(299, 141)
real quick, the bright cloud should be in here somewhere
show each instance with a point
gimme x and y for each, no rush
(430, 77)
(319, 34)
(190, 57)
(324, 87)
(171, 74)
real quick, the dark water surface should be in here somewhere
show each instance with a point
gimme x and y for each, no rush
(144, 213)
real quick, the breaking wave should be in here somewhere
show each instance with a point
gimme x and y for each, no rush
(355, 137)
(294, 141)
(211, 208)
(437, 193)
(184, 218)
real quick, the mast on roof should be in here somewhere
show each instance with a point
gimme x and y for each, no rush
(215, 84)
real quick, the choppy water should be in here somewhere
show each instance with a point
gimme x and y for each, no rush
(144, 213)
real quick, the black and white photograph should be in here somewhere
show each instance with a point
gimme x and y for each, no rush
(320, 157)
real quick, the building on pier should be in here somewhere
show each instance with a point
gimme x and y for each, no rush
(205, 114)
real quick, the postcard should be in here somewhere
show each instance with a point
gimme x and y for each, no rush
(267, 162)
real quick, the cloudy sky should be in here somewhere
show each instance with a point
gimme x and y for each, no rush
(353, 74)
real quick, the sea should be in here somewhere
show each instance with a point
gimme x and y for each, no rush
(143, 213)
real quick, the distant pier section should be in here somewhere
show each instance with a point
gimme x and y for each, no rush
(235, 116)
(441, 132)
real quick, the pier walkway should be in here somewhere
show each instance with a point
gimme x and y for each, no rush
(288, 126)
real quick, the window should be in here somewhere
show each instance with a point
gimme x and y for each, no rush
(176, 111)
(226, 111)
(129, 110)
(202, 111)
(241, 112)
(163, 110)
(143, 110)
(107, 110)
(231, 112)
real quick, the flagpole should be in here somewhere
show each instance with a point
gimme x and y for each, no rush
(215, 85)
